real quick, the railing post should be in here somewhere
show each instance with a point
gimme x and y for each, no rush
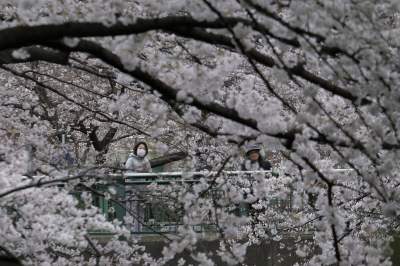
(120, 211)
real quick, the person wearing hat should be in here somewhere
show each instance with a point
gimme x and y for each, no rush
(254, 161)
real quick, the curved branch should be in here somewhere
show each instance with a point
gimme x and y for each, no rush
(22, 36)
(169, 158)
(68, 98)
(40, 183)
(8, 258)
(168, 94)
(35, 54)
(265, 60)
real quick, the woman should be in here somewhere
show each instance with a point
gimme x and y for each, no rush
(137, 161)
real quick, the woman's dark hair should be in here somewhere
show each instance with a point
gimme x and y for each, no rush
(137, 146)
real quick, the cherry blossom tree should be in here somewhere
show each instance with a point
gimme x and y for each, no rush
(314, 79)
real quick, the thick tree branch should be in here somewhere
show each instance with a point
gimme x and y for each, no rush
(8, 259)
(168, 94)
(21, 36)
(102, 145)
(25, 35)
(169, 158)
(35, 54)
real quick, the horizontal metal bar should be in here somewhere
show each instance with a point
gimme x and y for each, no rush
(200, 173)
(130, 181)
(213, 173)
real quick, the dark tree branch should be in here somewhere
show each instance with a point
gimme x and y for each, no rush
(40, 183)
(169, 158)
(35, 54)
(8, 259)
(265, 60)
(24, 36)
(70, 83)
(21, 36)
(96, 250)
(298, 30)
(66, 97)
(168, 94)
(102, 145)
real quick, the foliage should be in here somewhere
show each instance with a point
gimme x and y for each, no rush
(314, 79)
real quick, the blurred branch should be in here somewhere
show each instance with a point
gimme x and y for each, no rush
(8, 259)
(169, 158)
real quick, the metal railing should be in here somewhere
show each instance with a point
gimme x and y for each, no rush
(127, 182)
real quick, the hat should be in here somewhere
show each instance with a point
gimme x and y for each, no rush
(252, 147)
